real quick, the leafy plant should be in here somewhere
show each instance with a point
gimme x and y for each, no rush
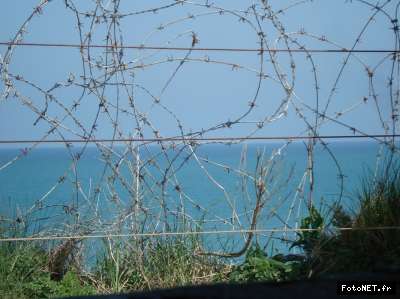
(258, 267)
(308, 240)
(44, 287)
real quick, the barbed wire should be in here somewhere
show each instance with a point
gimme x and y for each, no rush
(144, 185)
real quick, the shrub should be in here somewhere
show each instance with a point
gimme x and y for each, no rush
(359, 249)
(379, 206)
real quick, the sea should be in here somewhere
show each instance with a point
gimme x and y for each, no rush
(212, 188)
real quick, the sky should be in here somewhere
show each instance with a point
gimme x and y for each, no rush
(202, 94)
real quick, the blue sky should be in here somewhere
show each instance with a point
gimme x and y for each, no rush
(201, 94)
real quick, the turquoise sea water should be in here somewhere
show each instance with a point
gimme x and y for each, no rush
(28, 180)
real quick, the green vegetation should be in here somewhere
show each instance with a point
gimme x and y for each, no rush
(352, 247)
(23, 274)
(25, 269)
(160, 263)
(258, 267)
(345, 247)
(31, 271)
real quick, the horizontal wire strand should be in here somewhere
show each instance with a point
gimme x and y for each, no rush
(194, 139)
(160, 234)
(143, 47)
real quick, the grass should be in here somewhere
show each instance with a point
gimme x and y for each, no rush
(24, 274)
(124, 267)
(159, 263)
